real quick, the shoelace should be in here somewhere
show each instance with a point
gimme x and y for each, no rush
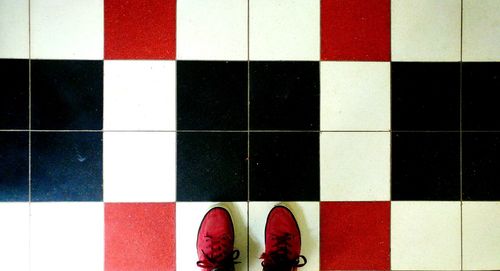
(213, 261)
(278, 258)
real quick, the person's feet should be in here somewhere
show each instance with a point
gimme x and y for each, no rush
(216, 241)
(282, 240)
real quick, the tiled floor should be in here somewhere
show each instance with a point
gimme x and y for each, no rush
(375, 121)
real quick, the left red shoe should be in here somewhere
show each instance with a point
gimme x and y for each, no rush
(215, 242)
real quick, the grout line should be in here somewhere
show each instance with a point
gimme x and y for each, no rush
(29, 135)
(29, 125)
(245, 131)
(461, 138)
(248, 135)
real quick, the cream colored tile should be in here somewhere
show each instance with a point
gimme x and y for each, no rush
(355, 166)
(212, 30)
(139, 95)
(481, 235)
(425, 30)
(14, 236)
(63, 29)
(355, 96)
(481, 30)
(14, 29)
(284, 30)
(425, 235)
(67, 236)
(139, 166)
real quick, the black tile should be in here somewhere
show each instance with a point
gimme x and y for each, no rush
(212, 166)
(14, 166)
(66, 94)
(284, 95)
(480, 95)
(14, 99)
(212, 95)
(425, 166)
(284, 166)
(66, 166)
(425, 96)
(481, 164)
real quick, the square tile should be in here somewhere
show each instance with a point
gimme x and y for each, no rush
(480, 84)
(425, 96)
(189, 217)
(355, 166)
(14, 101)
(356, 30)
(66, 95)
(146, 173)
(345, 244)
(425, 166)
(425, 236)
(426, 30)
(284, 31)
(284, 166)
(284, 95)
(480, 163)
(212, 166)
(14, 166)
(307, 217)
(139, 236)
(62, 29)
(139, 95)
(139, 29)
(212, 30)
(66, 166)
(480, 235)
(212, 95)
(14, 28)
(67, 236)
(481, 30)
(355, 96)
(14, 233)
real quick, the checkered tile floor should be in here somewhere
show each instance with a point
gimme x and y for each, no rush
(376, 121)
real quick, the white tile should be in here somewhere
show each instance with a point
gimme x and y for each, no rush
(14, 236)
(139, 95)
(139, 166)
(307, 216)
(67, 236)
(355, 166)
(481, 235)
(425, 30)
(425, 235)
(481, 30)
(188, 219)
(284, 30)
(62, 29)
(14, 29)
(355, 96)
(212, 30)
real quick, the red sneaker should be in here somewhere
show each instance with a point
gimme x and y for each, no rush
(282, 242)
(216, 241)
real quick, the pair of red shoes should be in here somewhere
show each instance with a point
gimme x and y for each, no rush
(282, 240)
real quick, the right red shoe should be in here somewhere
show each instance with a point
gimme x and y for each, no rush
(282, 240)
(215, 242)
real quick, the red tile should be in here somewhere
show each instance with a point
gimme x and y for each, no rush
(355, 235)
(139, 29)
(140, 236)
(355, 30)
